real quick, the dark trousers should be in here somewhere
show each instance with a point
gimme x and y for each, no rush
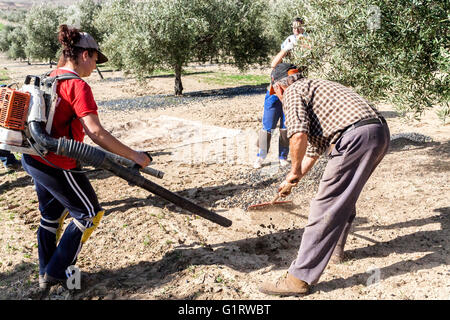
(355, 156)
(272, 115)
(59, 191)
(7, 157)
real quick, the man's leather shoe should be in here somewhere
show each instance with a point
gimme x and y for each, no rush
(287, 285)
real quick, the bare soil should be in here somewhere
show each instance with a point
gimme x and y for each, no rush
(146, 248)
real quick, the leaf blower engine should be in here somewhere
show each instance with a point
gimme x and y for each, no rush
(26, 117)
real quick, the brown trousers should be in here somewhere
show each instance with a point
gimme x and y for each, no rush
(355, 156)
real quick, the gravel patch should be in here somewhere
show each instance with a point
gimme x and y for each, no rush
(263, 184)
(164, 100)
(412, 136)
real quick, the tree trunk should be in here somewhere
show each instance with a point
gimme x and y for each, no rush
(50, 62)
(178, 84)
(98, 70)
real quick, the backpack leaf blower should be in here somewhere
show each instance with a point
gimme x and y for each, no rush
(25, 122)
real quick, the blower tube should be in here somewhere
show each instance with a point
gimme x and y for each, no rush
(99, 159)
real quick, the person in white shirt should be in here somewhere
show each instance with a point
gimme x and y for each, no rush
(299, 34)
(273, 112)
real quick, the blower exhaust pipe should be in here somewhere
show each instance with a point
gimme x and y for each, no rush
(103, 160)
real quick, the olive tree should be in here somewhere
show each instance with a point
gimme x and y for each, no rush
(392, 50)
(140, 36)
(5, 42)
(17, 42)
(41, 29)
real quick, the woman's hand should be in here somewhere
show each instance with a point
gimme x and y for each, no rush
(142, 159)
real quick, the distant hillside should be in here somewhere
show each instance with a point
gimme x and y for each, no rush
(26, 4)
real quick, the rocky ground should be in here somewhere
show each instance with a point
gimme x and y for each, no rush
(147, 248)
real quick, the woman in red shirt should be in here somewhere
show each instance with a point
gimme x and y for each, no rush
(61, 190)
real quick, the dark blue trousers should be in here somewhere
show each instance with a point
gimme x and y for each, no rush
(58, 191)
(7, 157)
(273, 114)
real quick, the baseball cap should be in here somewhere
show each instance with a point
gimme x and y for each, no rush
(281, 71)
(87, 42)
(297, 23)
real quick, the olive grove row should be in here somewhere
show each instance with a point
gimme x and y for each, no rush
(388, 50)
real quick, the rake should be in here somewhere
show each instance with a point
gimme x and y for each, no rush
(285, 189)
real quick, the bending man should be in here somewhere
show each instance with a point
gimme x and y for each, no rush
(321, 114)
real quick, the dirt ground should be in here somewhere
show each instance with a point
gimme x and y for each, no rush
(146, 248)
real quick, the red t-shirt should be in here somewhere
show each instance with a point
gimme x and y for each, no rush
(75, 101)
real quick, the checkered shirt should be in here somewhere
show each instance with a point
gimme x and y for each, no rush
(322, 109)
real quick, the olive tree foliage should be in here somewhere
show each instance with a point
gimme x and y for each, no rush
(12, 15)
(13, 41)
(41, 29)
(42, 25)
(239, 26)
(82, 15)
(388, 50)
(17, 42)
(5, 42)
(140, 36)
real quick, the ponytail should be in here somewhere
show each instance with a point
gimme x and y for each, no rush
(69, 37)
